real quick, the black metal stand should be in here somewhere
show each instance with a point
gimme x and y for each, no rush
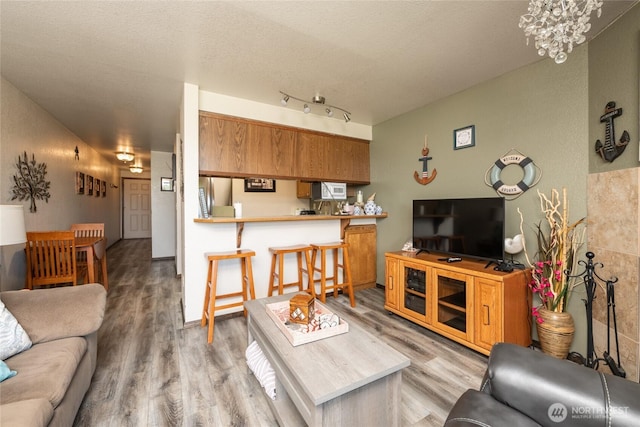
(590, 278)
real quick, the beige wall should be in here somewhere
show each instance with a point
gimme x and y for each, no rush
(26, 126)
(545, 110)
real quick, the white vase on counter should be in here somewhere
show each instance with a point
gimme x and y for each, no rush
(370, 207)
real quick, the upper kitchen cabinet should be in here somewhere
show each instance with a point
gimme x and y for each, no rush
(231, 146)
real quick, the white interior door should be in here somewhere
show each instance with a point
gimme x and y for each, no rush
(137, 208)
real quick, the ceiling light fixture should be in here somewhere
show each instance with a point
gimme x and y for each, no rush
(316, 100)
(123, 156)
(555, 24)
(135, 169)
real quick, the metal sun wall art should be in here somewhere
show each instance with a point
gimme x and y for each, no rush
(29, 182)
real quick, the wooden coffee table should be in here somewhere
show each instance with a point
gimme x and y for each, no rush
(344, 380)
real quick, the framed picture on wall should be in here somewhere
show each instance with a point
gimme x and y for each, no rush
(104, 188)
(79, 183)
(259, 184)
(166, 184)
(97, 187)
(89, 185)
(464, 137)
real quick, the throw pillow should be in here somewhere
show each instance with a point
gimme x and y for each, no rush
(13, 338)
(5, 372)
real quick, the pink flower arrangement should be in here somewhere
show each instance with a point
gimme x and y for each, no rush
(558, 243)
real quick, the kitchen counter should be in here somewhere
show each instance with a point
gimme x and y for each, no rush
(345, 221)
(259, 234)
(221, 219)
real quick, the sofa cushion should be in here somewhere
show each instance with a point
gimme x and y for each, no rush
(31, 413)
(475, 408)
(44, 371)
(13, 338)
(70, 311)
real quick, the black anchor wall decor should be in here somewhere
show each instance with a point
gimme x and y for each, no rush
(611, 149)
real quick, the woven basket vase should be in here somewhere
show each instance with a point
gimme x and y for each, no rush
(555, 333)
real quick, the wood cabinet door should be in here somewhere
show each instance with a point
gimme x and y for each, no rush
(270, 151)
(223, 144)
(488, 317)
(391, 288)
(362, 254)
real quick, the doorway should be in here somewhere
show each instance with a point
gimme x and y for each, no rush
(137, 209)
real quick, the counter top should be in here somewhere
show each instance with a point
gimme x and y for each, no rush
(221, 219)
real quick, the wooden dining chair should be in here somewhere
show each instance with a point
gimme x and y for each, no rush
(51, 258)
(100, 249)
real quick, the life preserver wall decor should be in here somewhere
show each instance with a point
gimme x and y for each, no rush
(531, 175)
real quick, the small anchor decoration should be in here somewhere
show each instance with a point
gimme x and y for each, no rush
(424, 178)
(611, 149)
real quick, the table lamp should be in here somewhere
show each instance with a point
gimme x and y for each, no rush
(12, 231)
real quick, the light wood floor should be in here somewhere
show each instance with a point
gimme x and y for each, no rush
(152, 371)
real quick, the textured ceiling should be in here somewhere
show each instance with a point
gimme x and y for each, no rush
(112, 72)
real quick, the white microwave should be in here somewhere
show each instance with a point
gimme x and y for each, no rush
(329, 191)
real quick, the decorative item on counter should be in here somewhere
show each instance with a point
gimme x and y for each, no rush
(359, 197)
(378, 210)
(357, 210)
(611, 149)
(348, 209)
(408, 247)
(529, 179)
(370, 206)
(301, 309)
(424, 178)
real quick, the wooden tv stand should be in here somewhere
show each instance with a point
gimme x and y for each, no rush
(465, 301)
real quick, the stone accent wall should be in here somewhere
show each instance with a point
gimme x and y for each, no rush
(613, 207)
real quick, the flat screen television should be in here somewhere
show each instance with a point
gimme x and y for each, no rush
(472, 227)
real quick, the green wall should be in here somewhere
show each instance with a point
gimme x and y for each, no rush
(614, 61)
(546, 111)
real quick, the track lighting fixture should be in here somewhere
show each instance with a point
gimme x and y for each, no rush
(123, 156)
(316, 100)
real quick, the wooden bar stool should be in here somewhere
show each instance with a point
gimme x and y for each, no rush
(346, 284)
(277, 257)
(210, 297)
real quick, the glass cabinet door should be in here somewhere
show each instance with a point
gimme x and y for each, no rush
(414, 298)
(452, 296)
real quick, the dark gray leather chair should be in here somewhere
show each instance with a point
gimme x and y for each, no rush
(522, 388)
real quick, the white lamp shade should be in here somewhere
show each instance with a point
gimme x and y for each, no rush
(12, 231)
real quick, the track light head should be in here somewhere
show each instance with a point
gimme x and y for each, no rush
(284, 100)
(306, 109)
(347, 119)
(329, 112)
(317, 99)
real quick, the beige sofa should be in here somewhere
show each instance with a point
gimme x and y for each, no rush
(55, 373)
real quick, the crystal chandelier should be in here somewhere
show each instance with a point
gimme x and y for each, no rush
(557, 25)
